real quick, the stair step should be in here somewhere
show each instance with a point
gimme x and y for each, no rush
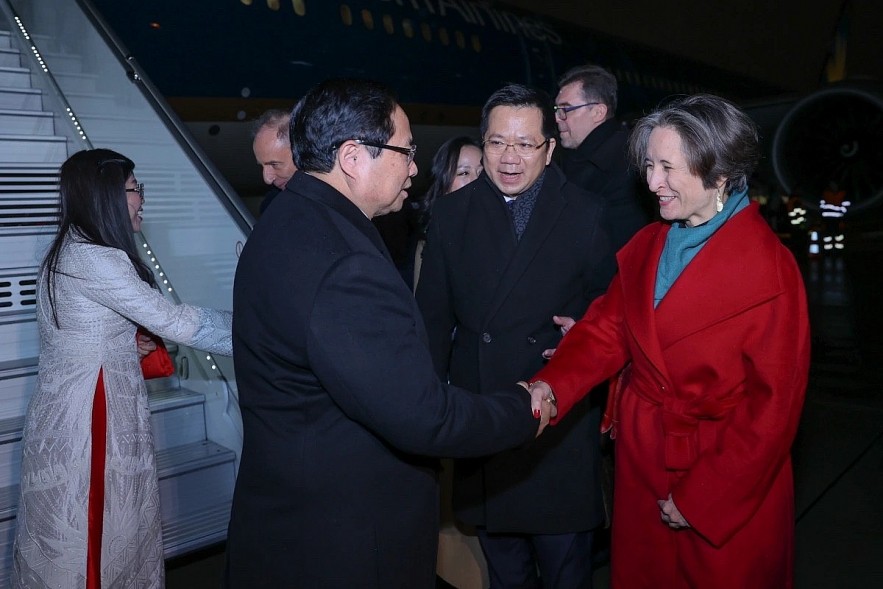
(177, 418)
(15, 77)
(8, 502)
(171, 464)
(26, 98)
(23, 248)
(188, 458)
(18, 334)
(16, 387)
(193, 478)
(10, 429)
(30, 122)
(198, 530)
(10, 58)
(28, 149)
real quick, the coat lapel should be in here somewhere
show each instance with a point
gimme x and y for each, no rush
(638, 265)
(547, 208)
(712, 289)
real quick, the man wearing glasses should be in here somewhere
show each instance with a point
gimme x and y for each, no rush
(595, 148)
(504, 255)
(340, 403)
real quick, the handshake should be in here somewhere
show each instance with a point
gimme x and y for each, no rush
(542, 402)
(542, 399)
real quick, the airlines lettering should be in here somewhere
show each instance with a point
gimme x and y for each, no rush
(482, 13)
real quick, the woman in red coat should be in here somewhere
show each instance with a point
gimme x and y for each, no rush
(708, 317)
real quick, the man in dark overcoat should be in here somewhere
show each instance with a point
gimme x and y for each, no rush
(340, 403)
(595, 154)
(503, 256)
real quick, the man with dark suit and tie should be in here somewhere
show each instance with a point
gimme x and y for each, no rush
(341, 407)
(503, 256)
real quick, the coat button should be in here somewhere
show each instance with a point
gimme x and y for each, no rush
(486, 338)
(531, 340)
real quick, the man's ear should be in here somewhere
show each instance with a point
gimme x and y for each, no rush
(601, 113)
(348, 156)
(550, 149)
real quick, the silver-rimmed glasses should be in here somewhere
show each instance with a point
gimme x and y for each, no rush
(522, 148)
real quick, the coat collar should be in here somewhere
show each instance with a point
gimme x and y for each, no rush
(588, 150)
(710, 290)
(303, 185)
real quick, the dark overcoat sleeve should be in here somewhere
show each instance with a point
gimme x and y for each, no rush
(367, 346)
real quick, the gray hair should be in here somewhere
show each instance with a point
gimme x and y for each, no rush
(717, 139)
(275, 119)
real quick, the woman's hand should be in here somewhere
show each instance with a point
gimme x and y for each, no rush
(670, 514)
(145, 344)
(542, 402)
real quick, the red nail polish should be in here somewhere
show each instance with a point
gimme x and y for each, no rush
(536, 413)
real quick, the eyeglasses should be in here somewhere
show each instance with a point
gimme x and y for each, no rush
(139, 188)
(523, 149)
(561, 111)
(408, 151)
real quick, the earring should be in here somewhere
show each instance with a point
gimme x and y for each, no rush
(720, 203)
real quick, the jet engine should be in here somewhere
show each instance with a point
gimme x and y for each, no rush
(832, 142)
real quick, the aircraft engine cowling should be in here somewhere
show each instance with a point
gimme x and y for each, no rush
(833, 135)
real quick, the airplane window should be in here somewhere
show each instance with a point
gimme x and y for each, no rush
(443, 36)
(300, 7)
(346, 15)
(408, 28)
(368, 19)
(476, 43)
(246, 2)
(460, 39)
(273, 4)
(388, 24)
(426, 30)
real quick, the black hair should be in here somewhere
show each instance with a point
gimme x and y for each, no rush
(336, 111)
(93, 207)
(519, 96)
(442, 172)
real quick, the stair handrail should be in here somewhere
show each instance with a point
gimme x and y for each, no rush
(237, 210)
(210, 173)
(29, 48)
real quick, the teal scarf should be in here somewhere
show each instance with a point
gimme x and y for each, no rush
(683, 243)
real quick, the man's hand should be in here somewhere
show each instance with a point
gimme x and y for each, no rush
(670, 514)
(564, 323)
(145, 344)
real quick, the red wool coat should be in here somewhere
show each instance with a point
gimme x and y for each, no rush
(708, 409)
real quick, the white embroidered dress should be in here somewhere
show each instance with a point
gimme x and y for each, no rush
(99, 301)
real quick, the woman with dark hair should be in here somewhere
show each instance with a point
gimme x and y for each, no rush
(89, 510)
(456, 163)
(708, 317)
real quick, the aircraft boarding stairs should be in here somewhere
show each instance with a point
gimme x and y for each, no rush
(194, 414)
